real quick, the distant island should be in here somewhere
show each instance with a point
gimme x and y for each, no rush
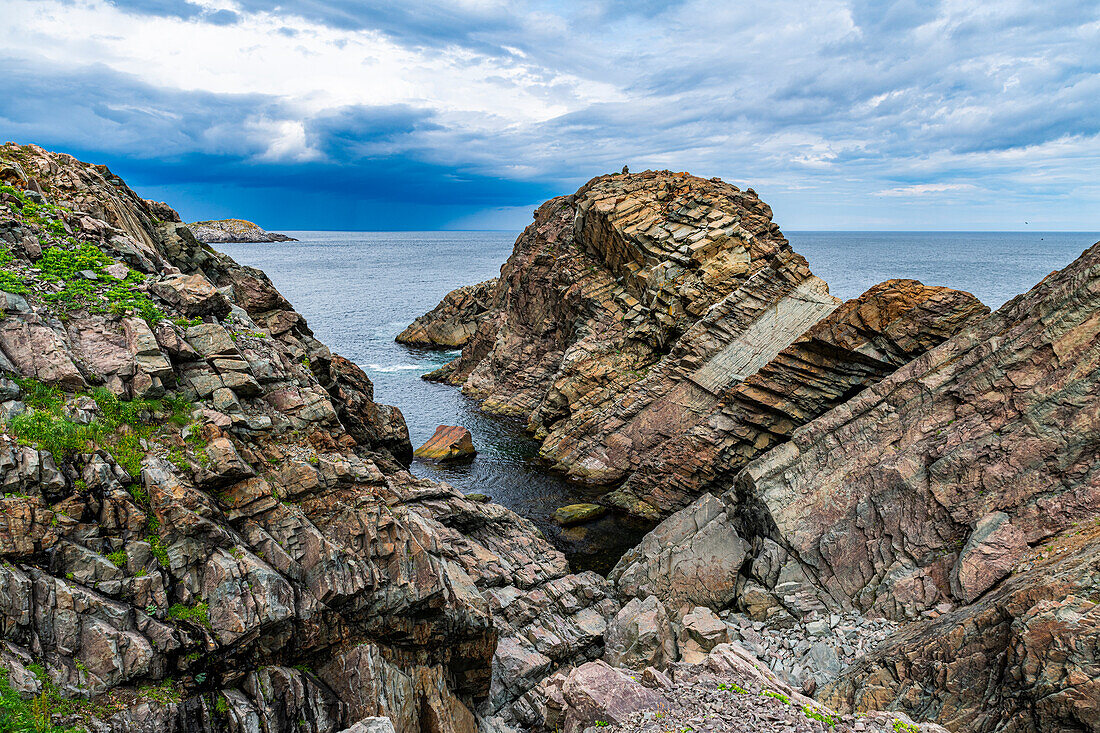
(234, 230)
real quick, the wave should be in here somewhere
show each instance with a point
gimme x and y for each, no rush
(398, 368)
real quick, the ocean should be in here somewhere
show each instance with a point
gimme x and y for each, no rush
(358, 290)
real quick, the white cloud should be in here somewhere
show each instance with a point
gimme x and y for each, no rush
(927, 189)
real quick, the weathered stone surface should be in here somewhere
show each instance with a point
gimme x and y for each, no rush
(853, 347)
(641, 636)
(597, 692)
(192, 294)
(1024, 657)
(992, 551)
(700, 631)
(449, 442)
(691, 559)
(454, 321)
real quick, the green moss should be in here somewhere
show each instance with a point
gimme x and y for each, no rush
(32, 716)
(104, 294)
(197, 614)
(820, 716)
(119, 558)
(777, 695)
(157, 547)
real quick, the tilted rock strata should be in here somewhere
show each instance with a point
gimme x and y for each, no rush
(645, 292)
(1023, 658)
(233, 230)
(878, 497)
(853, 347)
(272, 556)
(454, 321)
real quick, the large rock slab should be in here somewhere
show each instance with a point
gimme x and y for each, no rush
(691, 559)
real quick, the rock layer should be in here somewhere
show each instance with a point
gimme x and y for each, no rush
(853, 347)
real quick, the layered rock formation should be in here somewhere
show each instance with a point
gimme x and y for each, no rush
(206, 522)
(230, 230)
(657, 328)
(454, 321)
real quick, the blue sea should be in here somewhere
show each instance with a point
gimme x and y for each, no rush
(360, 289)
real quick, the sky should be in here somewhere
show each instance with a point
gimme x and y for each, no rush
(368, 114)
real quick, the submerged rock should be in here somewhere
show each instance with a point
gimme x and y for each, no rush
(449, 442)
(572, 514)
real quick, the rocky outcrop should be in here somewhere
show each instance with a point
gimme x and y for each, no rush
(921, 499)
(230, 230)
(855, 346)
(658, 329)
(886, 498)
(206, 522)
(454, 321)
(634, 276)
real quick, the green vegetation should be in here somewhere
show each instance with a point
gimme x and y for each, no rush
(820, 716)
(31, 716)
(121, 427)
(733, 687)
(119, 558)
(103, 294)
(197, 614)
(9, 281)
(157, 548)
(777, 695)
(900, 726)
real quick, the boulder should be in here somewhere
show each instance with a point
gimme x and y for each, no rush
(192, 294)
(572, 514)
(993, 549)
(597, 693)
(700, 631)
(691, 559)
(449, 442)
(640, 636)
(372, 725)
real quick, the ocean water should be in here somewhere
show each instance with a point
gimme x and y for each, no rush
(358, 290)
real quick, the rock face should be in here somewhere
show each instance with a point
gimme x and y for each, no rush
(1023, 657)
(657, 329)
(231, 230)
(878, 497)
(448, 443)
(920, 499)
(853, 347)
(206, 522)
(454, 321)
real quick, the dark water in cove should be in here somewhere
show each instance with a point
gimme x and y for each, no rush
(360, 289)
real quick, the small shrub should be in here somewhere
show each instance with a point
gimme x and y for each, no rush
(197, 614)
(900, 726)
(820, 716)
(119, 558)
(156, 546)
(777, 695)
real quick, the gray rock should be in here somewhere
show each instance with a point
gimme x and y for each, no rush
(640, 636)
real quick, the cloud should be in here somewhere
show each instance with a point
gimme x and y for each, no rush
(837, 111)
(927, 189)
